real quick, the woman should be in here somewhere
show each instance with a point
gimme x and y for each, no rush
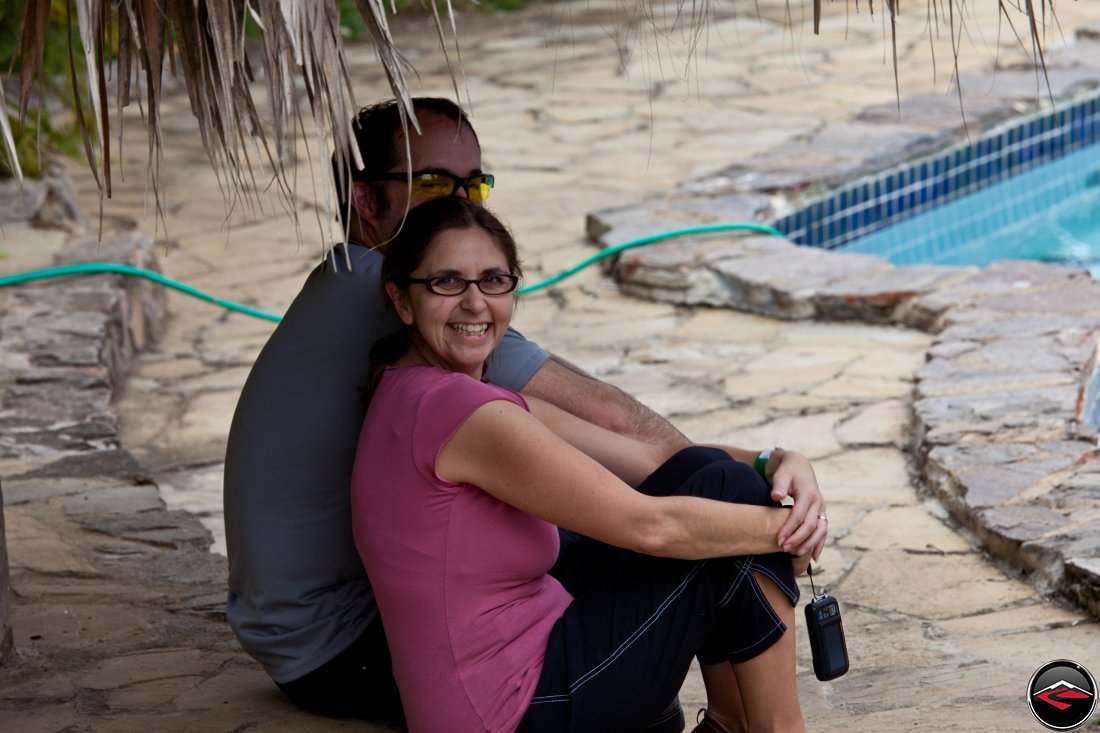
(459, 488)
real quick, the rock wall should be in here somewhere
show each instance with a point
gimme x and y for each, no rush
(5, 589)
(1004, 411)
(64, 350)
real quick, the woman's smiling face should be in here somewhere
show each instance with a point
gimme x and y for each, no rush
(459, 330)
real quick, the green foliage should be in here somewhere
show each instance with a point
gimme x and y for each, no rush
(33, 135)
(56, 60)
(352, 25)
(37, 138)
(25, 150)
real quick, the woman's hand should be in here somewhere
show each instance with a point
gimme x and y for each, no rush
(800, 564)
(804, 532)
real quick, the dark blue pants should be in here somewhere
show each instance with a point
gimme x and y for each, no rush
(357, 683)
(622, 649)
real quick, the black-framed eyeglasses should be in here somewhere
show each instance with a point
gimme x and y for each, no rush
(495, 284)
(436, 184)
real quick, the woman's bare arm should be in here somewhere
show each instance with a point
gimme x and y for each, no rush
(510, 454)
(628, 458)
(790, 474)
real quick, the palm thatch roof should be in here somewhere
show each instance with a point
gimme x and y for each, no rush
(127, 45)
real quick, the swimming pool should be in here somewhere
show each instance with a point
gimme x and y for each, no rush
(1026, 188)
(1051, 214)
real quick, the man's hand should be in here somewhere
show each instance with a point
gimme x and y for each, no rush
(805, 530)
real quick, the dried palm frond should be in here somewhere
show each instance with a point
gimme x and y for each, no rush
(204, 42)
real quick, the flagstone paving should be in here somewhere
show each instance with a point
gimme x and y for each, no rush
(110, 511)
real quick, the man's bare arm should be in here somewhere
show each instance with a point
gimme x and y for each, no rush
(573, 390)
(790, 474)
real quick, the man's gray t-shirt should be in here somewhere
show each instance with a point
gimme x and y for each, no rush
(298, 594)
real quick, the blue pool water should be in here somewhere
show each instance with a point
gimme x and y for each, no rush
(1050, 213)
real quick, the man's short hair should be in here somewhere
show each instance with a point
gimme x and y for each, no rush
(375, 128)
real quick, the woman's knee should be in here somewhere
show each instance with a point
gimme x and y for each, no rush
(729, 481)
(680, 468)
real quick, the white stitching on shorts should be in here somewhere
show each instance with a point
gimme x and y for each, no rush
(766, 606)
(792, 595)
(745, 568)
(640, 630)
(742, 571)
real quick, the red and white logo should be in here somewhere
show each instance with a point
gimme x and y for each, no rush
(1062, 695)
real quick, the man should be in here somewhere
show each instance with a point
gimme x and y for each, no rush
(299, 600)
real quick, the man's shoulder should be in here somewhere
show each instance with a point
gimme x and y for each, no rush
(350, 259)
(326, 333)
(348, 278)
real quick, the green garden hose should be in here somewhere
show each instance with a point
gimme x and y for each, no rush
(652, 239)
(99, 267)
(96, 267)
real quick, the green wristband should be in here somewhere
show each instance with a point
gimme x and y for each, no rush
(760, 464)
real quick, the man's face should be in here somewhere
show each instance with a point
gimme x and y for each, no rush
(443, 147)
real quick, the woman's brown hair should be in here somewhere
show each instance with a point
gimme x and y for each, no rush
(406, 251)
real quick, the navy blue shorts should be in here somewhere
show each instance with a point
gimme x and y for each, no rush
(623, 647)
(356, 683)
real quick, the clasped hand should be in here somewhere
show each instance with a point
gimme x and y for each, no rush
(804, 531)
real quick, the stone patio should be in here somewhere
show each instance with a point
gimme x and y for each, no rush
(997, 432)
(112, 488)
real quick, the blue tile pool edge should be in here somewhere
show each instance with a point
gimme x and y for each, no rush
(873, 202)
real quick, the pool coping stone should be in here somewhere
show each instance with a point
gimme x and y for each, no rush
(996, 425)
